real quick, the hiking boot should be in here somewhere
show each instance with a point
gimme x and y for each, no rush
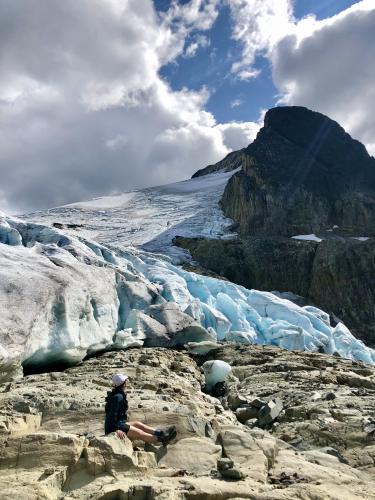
(172, 429)
(168, 434)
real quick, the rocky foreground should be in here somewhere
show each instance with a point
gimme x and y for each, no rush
(286, 425)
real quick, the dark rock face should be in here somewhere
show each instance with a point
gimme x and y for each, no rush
(343, 281)
(336, 275)
(232, 161)
(302, 174)
(263, 263)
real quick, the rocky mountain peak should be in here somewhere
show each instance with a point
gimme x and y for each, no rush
(303, 205)
(304, 127)
(314, 151)
(302, 174)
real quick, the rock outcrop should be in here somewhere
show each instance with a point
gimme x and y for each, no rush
(303, 174)
(268, 263)
(232, 161)
(319, 446)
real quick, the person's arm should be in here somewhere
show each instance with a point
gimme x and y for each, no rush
(113, 411)
(126, 408)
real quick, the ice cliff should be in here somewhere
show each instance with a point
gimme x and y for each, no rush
(63, 297)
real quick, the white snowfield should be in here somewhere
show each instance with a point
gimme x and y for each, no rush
(149, 218)
(62, 297)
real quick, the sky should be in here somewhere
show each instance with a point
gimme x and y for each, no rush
(104, 96)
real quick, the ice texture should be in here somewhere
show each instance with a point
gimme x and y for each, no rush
(9, 235)
(63, 297)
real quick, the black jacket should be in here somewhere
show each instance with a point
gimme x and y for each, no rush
(116, 410)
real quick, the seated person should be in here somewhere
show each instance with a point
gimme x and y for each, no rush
(116, 416)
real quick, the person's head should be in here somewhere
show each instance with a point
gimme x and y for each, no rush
(119, 381)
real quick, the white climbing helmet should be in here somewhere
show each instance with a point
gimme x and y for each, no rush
(119, 379)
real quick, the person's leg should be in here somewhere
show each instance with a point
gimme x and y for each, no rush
(136, 433)
(143, 427)
(138, 430)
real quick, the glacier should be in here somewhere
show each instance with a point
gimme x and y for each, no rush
(150, 218)
(64, 296)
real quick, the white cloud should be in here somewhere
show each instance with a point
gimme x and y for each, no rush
(248, 74)
(200, 41)
(182, 19)
(332, 70)
(118, 142)
(236, 103)
(83, 110)
(326, 65)
(197, 14)
(238, 134)
(257, 26)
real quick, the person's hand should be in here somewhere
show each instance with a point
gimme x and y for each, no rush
(120, 434)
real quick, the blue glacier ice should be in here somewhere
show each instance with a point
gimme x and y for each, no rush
(240, 315)
(9, 235)
(63, 296)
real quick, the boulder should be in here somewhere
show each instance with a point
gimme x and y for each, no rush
(215, 371)
(240, 447)
(227, 470)
(181, 328)
(269, 412)
(111, 454)
(146, 328)
(244, 413)
(41, 449)
(198, 348)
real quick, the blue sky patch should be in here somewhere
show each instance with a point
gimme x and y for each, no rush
(232, 99)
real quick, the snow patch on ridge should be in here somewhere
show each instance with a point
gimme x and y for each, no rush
(307, 237)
